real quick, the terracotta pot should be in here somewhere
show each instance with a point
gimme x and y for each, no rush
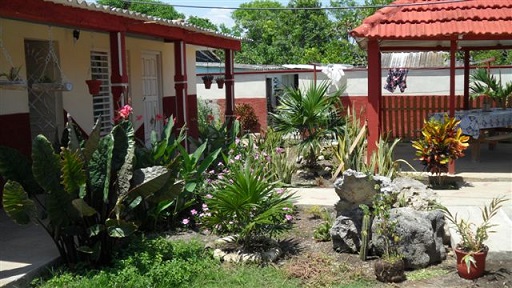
(389, 271)
(476, 269)
(94, 86)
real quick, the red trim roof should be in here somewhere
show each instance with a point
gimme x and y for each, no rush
(439, 19)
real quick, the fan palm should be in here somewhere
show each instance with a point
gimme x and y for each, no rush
(312, 114)
(484, 83)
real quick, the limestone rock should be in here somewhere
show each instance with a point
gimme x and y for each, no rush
(346, 231)
(421, 236)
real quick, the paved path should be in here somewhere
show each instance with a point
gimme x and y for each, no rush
(465, 201)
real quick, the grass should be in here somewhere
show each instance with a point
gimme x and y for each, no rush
(161, 263)
(423, 274)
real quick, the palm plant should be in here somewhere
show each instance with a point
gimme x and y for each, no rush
(484, 83)
(312, 114)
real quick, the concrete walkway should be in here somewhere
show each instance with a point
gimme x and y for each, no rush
(466, 202)
(25, 250)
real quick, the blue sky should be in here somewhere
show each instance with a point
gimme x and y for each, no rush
(217, 16)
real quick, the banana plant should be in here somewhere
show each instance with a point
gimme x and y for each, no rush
(91, 189)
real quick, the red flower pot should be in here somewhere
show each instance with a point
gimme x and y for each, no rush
(476, 269)
(207, 84)
(94, 86)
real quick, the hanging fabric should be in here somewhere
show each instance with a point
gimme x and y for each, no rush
(397, 77)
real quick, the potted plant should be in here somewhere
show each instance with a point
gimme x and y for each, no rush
(390, 267)
(207, 80)
(94, 86)
(484, 83)
(13, 79)
(46, 83)
(220, 81)
(441, 143)
(471, 251)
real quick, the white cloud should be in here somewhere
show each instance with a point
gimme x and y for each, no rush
(220, 16)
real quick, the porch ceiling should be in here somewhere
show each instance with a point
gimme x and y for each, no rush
(79, 14)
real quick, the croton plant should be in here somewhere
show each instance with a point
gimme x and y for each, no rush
(441, 142)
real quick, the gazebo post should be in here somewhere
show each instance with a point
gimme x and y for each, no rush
(374, 95)
(466, 80)
(453, 50)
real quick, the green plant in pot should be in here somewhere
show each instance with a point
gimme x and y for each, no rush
(471, 251)
(484, 83)
(441, 143)
(390, 267)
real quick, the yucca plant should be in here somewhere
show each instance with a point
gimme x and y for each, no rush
(484, 83)
(441, 142)
(313, 114)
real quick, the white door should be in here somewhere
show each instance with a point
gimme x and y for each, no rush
(153, 118)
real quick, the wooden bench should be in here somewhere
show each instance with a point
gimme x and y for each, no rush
(492, 138)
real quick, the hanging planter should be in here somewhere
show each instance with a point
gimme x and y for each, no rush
(220, 82)
(207, 80)
(57, 86)
(13, 80)
(94, 86)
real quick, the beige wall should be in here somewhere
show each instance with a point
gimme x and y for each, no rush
(74, 61)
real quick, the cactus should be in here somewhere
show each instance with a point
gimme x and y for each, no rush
(365, 232)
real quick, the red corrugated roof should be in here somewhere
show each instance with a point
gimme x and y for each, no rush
(439, 19)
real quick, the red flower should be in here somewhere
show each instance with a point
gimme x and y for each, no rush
(210, 118)
(159, 117)
(125, 111)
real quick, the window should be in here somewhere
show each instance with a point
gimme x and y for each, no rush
(102, 103)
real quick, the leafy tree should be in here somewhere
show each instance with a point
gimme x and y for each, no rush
(149, 7)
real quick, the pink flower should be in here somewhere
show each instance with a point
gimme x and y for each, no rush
(237, 157)
(125, 111)
(279, 150)
(193, 212)
(280, 191)
(286, 208)
(205, 207)
(237, 140)
(208, 196)
(185, 221)
(288, 217)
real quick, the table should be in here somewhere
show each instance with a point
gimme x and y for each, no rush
(475, 120)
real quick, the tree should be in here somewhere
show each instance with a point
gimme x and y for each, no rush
(149, 7)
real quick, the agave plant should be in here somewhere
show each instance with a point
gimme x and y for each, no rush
(312, 114)
(484, 83)
(90, 188)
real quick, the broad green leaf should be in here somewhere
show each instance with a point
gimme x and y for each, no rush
(17, 204)
(73, 175)
(16, 166)
(83, 208)
(124, 147)
(147, 181)
(190, 186)
(73, 143)
(93, 141)
(46, 164)
(95, 229)
(120, 228)
(208, 161)
(135, 202)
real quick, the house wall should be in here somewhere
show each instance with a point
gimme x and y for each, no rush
(423, 85)
(74, 59)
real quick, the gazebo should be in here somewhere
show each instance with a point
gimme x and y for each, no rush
(430, 25)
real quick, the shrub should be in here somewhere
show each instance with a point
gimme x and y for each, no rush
(247, 116)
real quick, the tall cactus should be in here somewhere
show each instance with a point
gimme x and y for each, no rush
(365, 232)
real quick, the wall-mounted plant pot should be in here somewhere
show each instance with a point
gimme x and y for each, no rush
(64, 86)
(207, 84)
(13, 85)
(94, 86)
(220, 84)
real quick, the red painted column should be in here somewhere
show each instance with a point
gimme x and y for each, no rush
(119, 74)
(374, 95)
(180, 83)
(230, 85)
(453, 50)
(466, 80)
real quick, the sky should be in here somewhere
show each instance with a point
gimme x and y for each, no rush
(217, 16)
